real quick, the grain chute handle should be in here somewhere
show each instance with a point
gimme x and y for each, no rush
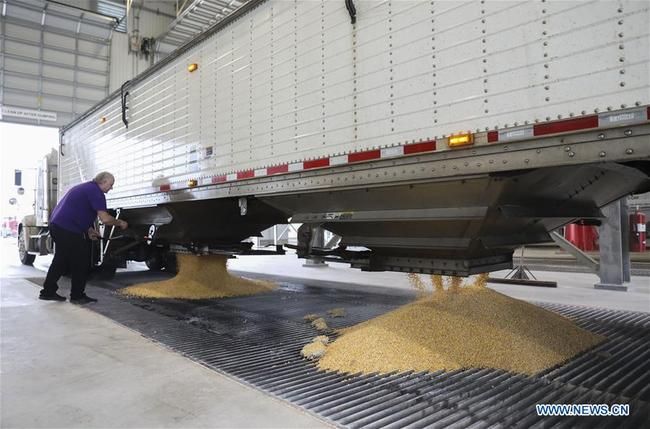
(349, 4)
(124, 95)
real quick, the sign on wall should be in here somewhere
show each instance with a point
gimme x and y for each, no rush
(19, 112)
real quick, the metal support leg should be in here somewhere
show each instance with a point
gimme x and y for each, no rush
(582, 257)
(625, 239)
(318, 240)
(611, 248)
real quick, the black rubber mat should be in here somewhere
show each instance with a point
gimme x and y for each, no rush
(258, 339)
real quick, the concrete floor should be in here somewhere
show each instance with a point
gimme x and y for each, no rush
(63, 365)
(66, 366)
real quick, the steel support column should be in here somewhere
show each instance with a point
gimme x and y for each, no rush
(75, 73)
(612, 252)
(3, 31)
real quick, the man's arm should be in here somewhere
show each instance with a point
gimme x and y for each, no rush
(110, 220)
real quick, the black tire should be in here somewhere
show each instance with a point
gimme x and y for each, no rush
(171, 265)
(155, 263)
(25, 258)
(106, 272)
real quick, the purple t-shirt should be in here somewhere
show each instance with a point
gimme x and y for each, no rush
(77, 210)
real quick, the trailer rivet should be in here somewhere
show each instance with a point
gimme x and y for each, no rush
(628, 132)
(567, 149)
(572, 154)
(602, 154)
(629, 151)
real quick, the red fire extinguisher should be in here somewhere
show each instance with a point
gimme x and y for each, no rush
(637, 232)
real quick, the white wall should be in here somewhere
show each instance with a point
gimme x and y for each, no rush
(125, 66)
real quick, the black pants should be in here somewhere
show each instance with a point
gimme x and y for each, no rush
(71, 254)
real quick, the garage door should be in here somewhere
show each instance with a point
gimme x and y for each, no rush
(54, 61)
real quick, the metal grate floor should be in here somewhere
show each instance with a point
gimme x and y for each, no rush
(258, 340)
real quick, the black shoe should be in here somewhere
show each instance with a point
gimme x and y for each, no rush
(83, 299)
(51, 297)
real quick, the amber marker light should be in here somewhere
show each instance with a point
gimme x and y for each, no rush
(192, 183)
(460, 140)
(102, 119)
(192, 67)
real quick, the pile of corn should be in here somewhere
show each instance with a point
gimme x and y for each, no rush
(200, 277)
(316, 349)
(454, 327)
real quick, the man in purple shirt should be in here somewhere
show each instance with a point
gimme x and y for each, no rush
(71, 225)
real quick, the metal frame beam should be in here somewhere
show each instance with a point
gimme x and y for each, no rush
(581, 256)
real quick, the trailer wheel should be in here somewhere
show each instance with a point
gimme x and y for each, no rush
(106, 272)
(25, 258)
(171, 264)
(155, 263)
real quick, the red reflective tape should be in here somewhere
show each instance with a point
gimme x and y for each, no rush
(166, 187)
(493, 136)
(316, 163)
(278, 169)
(429, 146)
(564, 126)
(364, 156)
(245, 174)
(218, 179)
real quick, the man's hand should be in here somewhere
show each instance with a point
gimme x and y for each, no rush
(93, 234)
(110, 220)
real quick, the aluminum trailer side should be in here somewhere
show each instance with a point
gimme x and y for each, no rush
(293, 111)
